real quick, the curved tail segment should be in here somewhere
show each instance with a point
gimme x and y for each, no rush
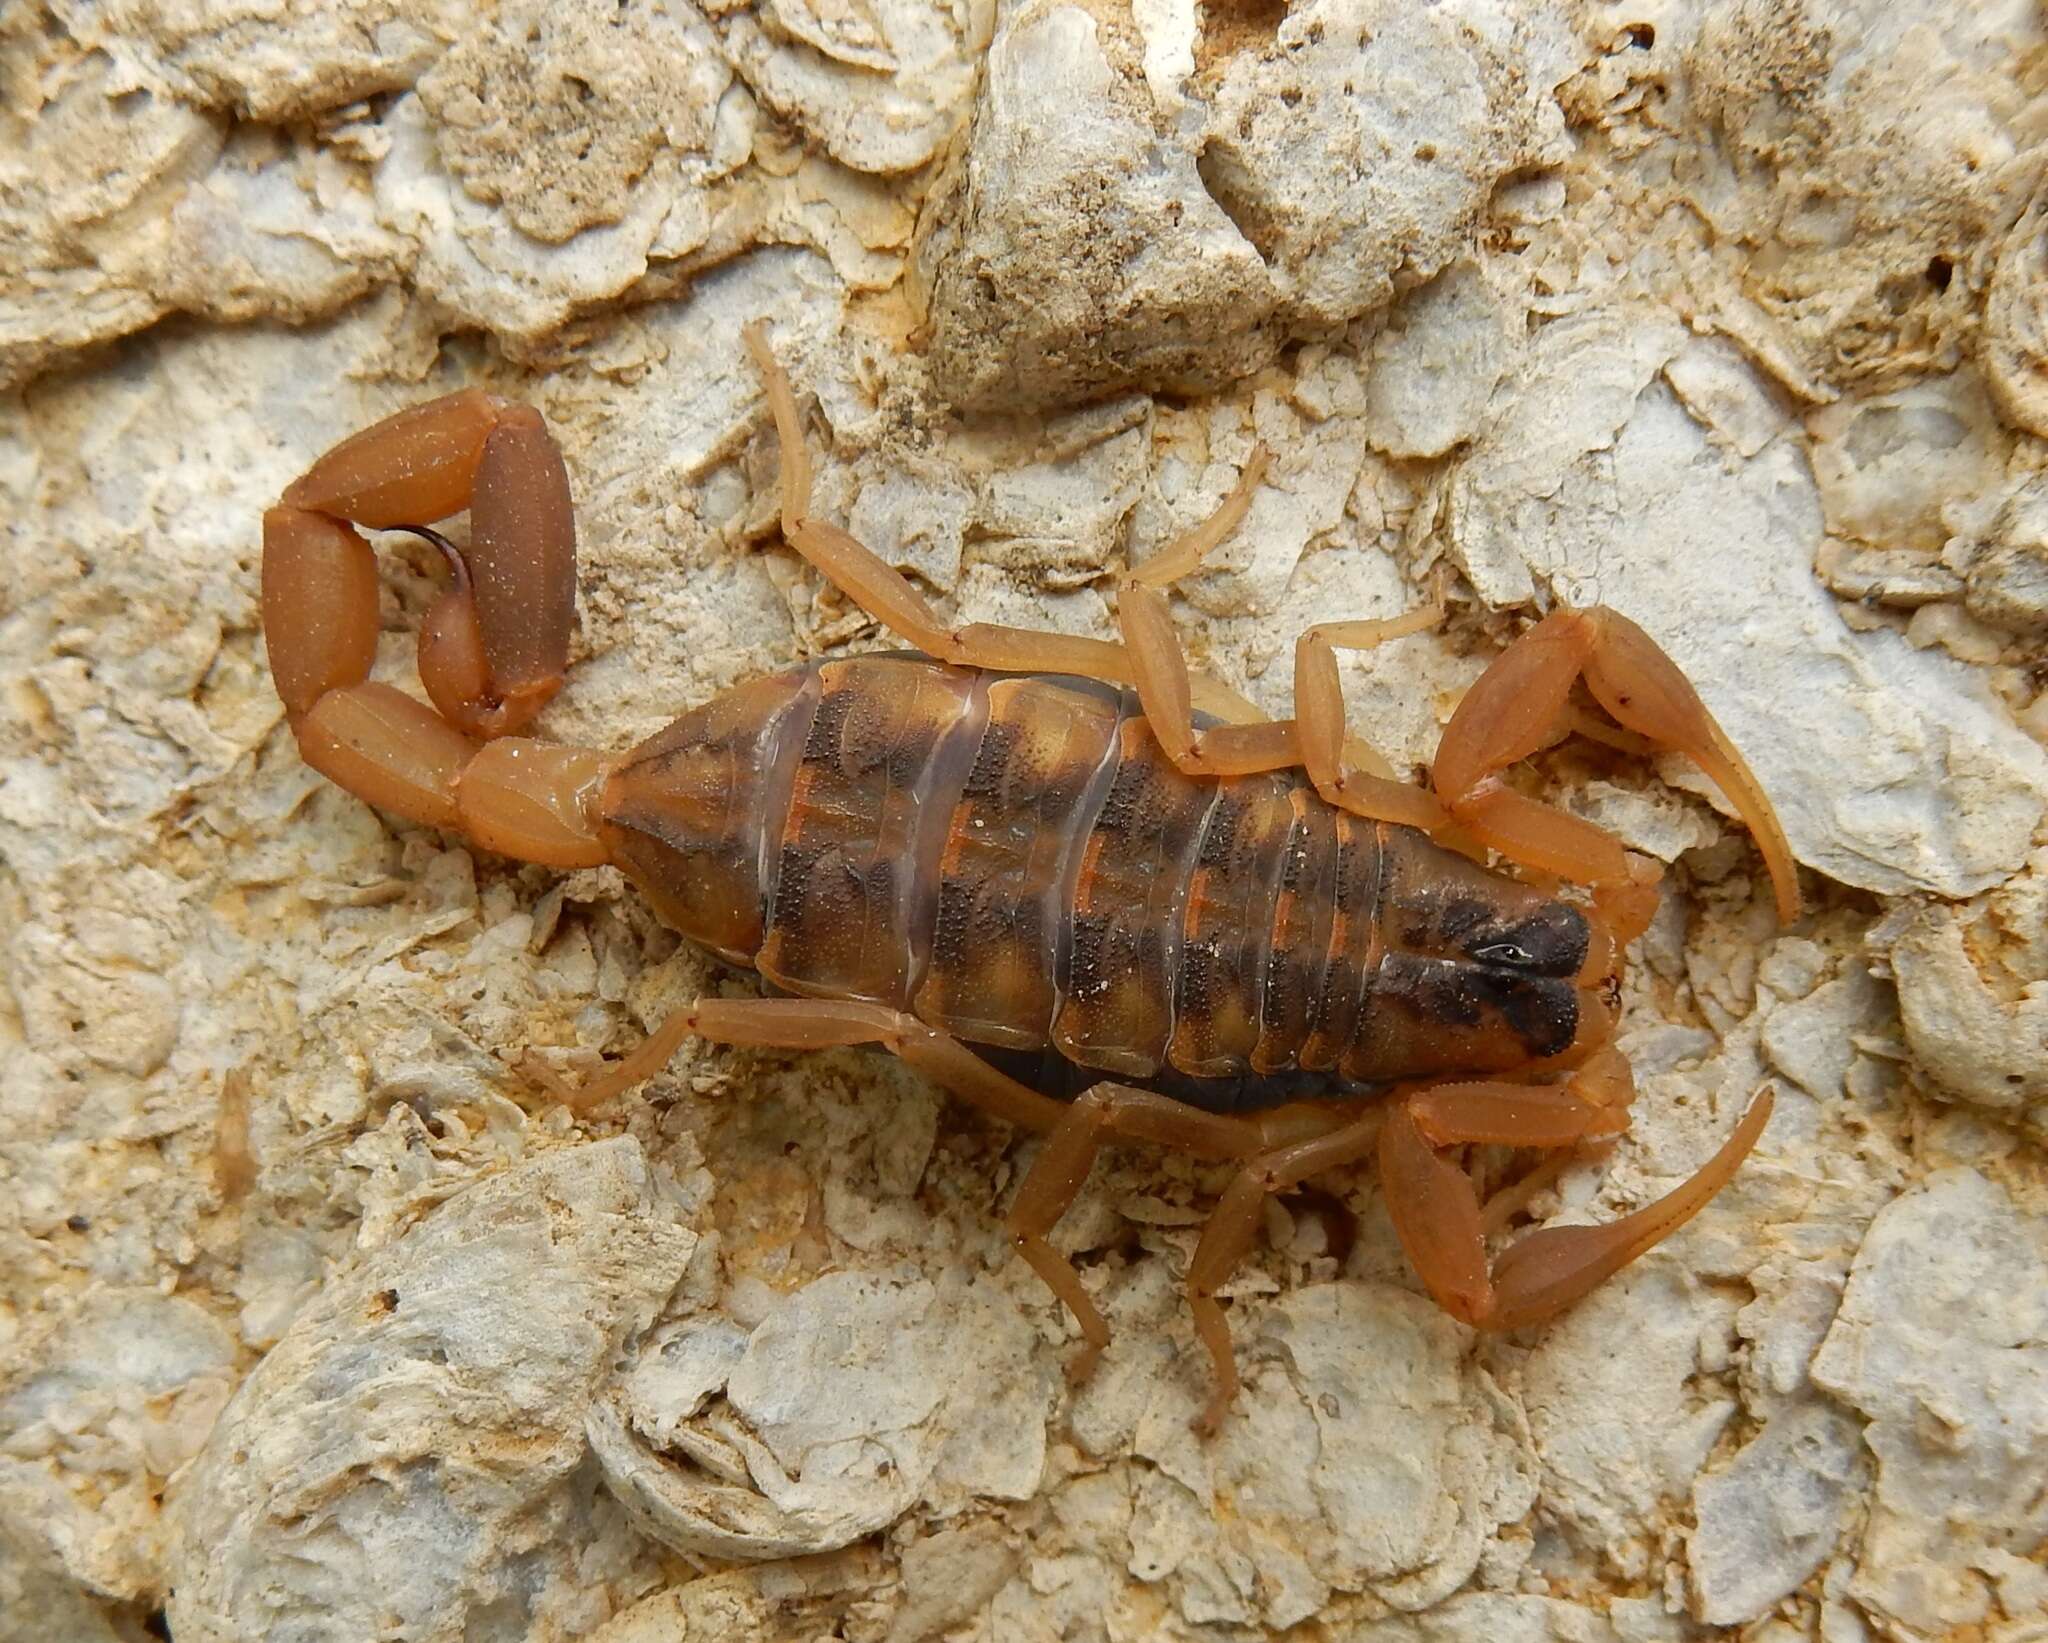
(492, 650)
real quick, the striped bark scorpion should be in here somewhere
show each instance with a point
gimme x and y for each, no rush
(1154, 915)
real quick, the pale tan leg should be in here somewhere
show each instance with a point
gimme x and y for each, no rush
(1159, 667)
(1231, 1228)
(1344, 769)
(1346, 772)
(1075, 1131)
(888, 596)
(826, 1023)
(811, 1024)
(1095, 1115)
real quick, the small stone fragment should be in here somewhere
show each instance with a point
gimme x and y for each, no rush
(2005, 576)
(1892, 466)
(1764, 1522)
(852, 1399)
(1359, 149)
(2016, 323)
(880, 86)
(558, 113)
(1435, 365)
(1974, 1042)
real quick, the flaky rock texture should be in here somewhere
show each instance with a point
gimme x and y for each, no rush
(323, 1316)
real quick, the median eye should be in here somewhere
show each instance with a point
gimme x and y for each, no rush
(1503, 952)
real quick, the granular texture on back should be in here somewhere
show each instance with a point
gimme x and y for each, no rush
(1014, 860)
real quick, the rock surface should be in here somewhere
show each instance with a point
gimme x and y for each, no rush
(323, 1316)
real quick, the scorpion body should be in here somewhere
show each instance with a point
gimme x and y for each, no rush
(1078, 885)
(1013, 860)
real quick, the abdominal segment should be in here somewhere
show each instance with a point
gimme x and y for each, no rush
(1014, 860)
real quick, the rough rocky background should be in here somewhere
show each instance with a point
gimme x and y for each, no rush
(320, 1317)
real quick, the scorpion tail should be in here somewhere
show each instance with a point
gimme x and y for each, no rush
(493, 647)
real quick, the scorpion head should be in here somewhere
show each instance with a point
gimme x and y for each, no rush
(1484, 973)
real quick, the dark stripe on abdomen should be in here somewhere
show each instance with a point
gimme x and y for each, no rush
(1005, 875)
(851, 907)
(1226, 931)
(1117, 982)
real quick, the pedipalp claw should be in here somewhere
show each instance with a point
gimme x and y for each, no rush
(1644, 690)
(1542, 1274)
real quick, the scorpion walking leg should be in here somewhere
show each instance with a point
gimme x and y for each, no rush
(1346, 771)
(812, 1024)
(1093, 1117)
(1521, 704)
(1231, 1229)
(1076, 1130)
(828, 1023)
(887, 595)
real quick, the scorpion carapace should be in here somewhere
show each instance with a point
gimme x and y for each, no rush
(1197, 927)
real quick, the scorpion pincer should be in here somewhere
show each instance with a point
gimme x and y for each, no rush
(1076, 885)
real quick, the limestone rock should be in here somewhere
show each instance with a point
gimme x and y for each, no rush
(2016, 326)
(879, 87)
(1359, 151)
(1774, 1514)
(1072, 250)
(1435, 366)
(596, 99)
(843, 1407)
(1973, 996)
(407, 1455)
(1863, 154)
(1939, 1345)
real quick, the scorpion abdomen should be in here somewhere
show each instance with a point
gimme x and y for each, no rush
(1014, 860)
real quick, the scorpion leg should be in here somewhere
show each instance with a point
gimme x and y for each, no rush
(829, 1023)
(1521, 704)
(1235, 1222)
(492, 650)
(1100, 1112)
(1345, 771)
(1075, 1132)
(1440, 1224)
(887, 595)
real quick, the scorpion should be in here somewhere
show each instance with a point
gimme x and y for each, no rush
(1076, 884)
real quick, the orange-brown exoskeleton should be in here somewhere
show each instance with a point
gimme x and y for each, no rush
(1071, 882)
